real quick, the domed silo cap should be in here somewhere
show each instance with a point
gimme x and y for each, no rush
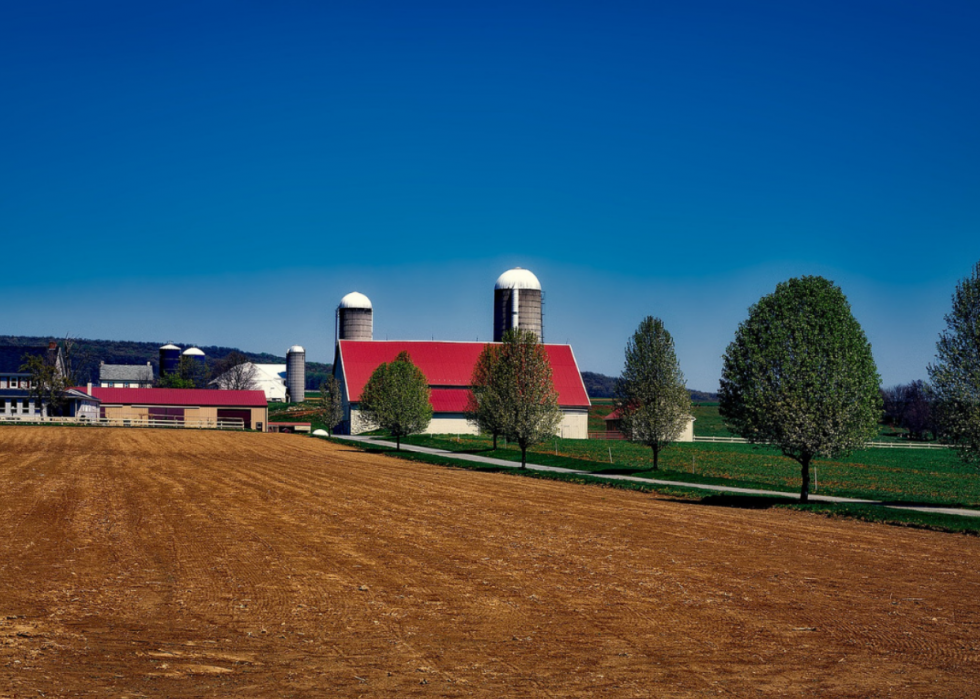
(355, 300)
(517, 278)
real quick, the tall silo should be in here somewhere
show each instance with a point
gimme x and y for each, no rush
(296, 374)
(355, 318)
(169, 359)
(517, 303)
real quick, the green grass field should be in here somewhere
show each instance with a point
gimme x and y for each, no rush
(933, 477)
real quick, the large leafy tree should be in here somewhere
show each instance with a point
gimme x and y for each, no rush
(800, 375)
(522, 376)
(955, 375)
(396, 398)
(654, 405)
(486, 405)
(191, 373)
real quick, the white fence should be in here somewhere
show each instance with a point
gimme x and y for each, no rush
(235, 423)
(869, 445)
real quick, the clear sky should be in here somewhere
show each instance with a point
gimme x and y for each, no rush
(223, 172)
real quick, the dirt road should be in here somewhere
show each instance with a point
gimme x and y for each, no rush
(186, 564)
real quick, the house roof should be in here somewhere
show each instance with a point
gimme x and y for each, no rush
(275, 372)
(12, 357)
(125, 372)
(449, 365)
(180, 397)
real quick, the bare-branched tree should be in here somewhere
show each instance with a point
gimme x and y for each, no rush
(235, 373)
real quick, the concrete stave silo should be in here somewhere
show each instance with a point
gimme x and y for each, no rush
(355, 318)
(517, 304)
(296, 374)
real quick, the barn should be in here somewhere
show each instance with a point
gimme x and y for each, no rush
(448, 366)
(189, 406)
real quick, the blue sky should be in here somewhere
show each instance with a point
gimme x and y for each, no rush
(222, 173)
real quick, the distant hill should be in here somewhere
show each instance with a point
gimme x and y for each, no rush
(602, 386)
(90, 353)
(599, 385)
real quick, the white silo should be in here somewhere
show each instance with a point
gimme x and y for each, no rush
(517, 303)
(296, 374)
(355, 318)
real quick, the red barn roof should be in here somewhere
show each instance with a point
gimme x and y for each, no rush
(449, 366)
(179, 397)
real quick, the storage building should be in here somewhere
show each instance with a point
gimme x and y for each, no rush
(193, 407)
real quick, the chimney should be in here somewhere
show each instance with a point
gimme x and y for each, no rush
(88, 388)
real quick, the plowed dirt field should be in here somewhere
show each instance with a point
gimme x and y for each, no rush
(188, 564)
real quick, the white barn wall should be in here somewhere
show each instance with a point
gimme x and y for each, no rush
(574, 424)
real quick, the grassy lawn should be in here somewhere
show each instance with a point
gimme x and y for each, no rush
(707, 421)
(935, 477)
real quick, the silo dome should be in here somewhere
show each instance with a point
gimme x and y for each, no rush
(170, 346)
(518, 278)
(355, 317)
(295, 348)
(356, 300)
(193, 352)
(517, 302)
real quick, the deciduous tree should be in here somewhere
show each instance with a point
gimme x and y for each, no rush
(800, 375)
(235, 372)
(909, 406)
(486, 405)
(955, 375)
(191, 373)
(396, 398)
(47, 382)
(523, 378)
(653, 403)
(330, 408)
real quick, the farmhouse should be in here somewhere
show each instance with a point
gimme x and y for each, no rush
(16, 401)
(192, 407)
(448, 366)
(126, 375)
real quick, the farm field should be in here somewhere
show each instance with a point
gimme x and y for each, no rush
(188, 564)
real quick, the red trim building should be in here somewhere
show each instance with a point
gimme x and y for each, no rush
(448, 366)
(197, 407)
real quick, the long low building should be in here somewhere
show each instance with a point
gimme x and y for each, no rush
(448, 367)
(193, 407)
